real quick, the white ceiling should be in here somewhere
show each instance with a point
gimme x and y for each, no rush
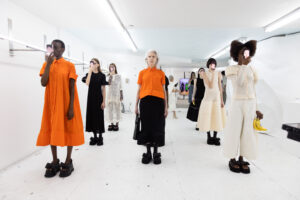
(192, 29)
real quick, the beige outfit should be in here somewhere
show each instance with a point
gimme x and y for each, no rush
(239, 134)
(172, 96)
(211, 116)
(113, 99)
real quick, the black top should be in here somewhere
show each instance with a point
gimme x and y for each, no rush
(200, 91)
(167, 83)
(192, 82)
(94, 113)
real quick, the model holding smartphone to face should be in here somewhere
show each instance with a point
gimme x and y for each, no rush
(240, 139)
(96, 82)
(114, 98)
(211, 113)
(61, 122)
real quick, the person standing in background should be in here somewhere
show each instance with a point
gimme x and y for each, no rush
(191, 86)
(96, 82)
(167, 89)
(114, 98)
(62, 122)
(224, 85)
(211, 113)
(198, 93)
(172, 96)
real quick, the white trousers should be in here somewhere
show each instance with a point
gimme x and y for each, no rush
(114, 112)
(240, 138)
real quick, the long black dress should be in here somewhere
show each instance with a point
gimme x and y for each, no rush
(199, 92)
(153, 121)
(94, 113)
(193, 110)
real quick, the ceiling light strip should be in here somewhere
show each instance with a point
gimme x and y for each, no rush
(284, 20)
(125, 33)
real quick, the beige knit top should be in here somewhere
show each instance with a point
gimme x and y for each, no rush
(243, 78)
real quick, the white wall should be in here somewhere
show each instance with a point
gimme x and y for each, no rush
(22, 96)
(277, 61)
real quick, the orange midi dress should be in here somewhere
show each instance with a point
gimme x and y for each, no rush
(56, 129)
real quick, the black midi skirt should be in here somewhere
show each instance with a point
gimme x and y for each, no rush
(152, 121)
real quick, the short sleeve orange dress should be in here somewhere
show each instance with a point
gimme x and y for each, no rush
(56, 129)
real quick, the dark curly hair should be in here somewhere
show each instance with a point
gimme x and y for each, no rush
(236, 46)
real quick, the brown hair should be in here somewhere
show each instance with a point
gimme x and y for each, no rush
(97, 61)
(236, 46)
(113, 64)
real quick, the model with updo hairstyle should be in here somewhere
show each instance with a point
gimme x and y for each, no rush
(240, 140)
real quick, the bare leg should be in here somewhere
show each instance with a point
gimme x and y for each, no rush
(54, 154)
(174, 115)
(69, 153)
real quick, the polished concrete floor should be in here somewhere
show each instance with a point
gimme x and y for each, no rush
(190, 170)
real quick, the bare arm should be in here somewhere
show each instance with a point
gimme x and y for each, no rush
(45, 76)
(88, 79)
(70, 114)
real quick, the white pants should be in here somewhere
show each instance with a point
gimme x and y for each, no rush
(240, 138)
(114, 112)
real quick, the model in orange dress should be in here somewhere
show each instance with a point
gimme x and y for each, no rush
(62, 122)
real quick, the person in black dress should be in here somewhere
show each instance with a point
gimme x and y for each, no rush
(166, 88)
(96, 81)
(191, 86)
(199, 90)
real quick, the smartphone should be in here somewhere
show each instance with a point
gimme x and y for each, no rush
(49, 49)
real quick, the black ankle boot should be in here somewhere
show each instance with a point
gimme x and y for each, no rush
(216, 139)
(147, 157)
(100, 140)
(93, 141)
(210, 140)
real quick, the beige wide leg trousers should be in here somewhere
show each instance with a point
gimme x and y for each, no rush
(240, 138)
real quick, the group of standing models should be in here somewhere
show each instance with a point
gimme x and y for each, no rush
(62, 122)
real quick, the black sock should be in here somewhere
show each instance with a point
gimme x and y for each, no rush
(148, 148)
(155, 149)
(215, 134)
(208, 134)
(95, 135)
(100, 136)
